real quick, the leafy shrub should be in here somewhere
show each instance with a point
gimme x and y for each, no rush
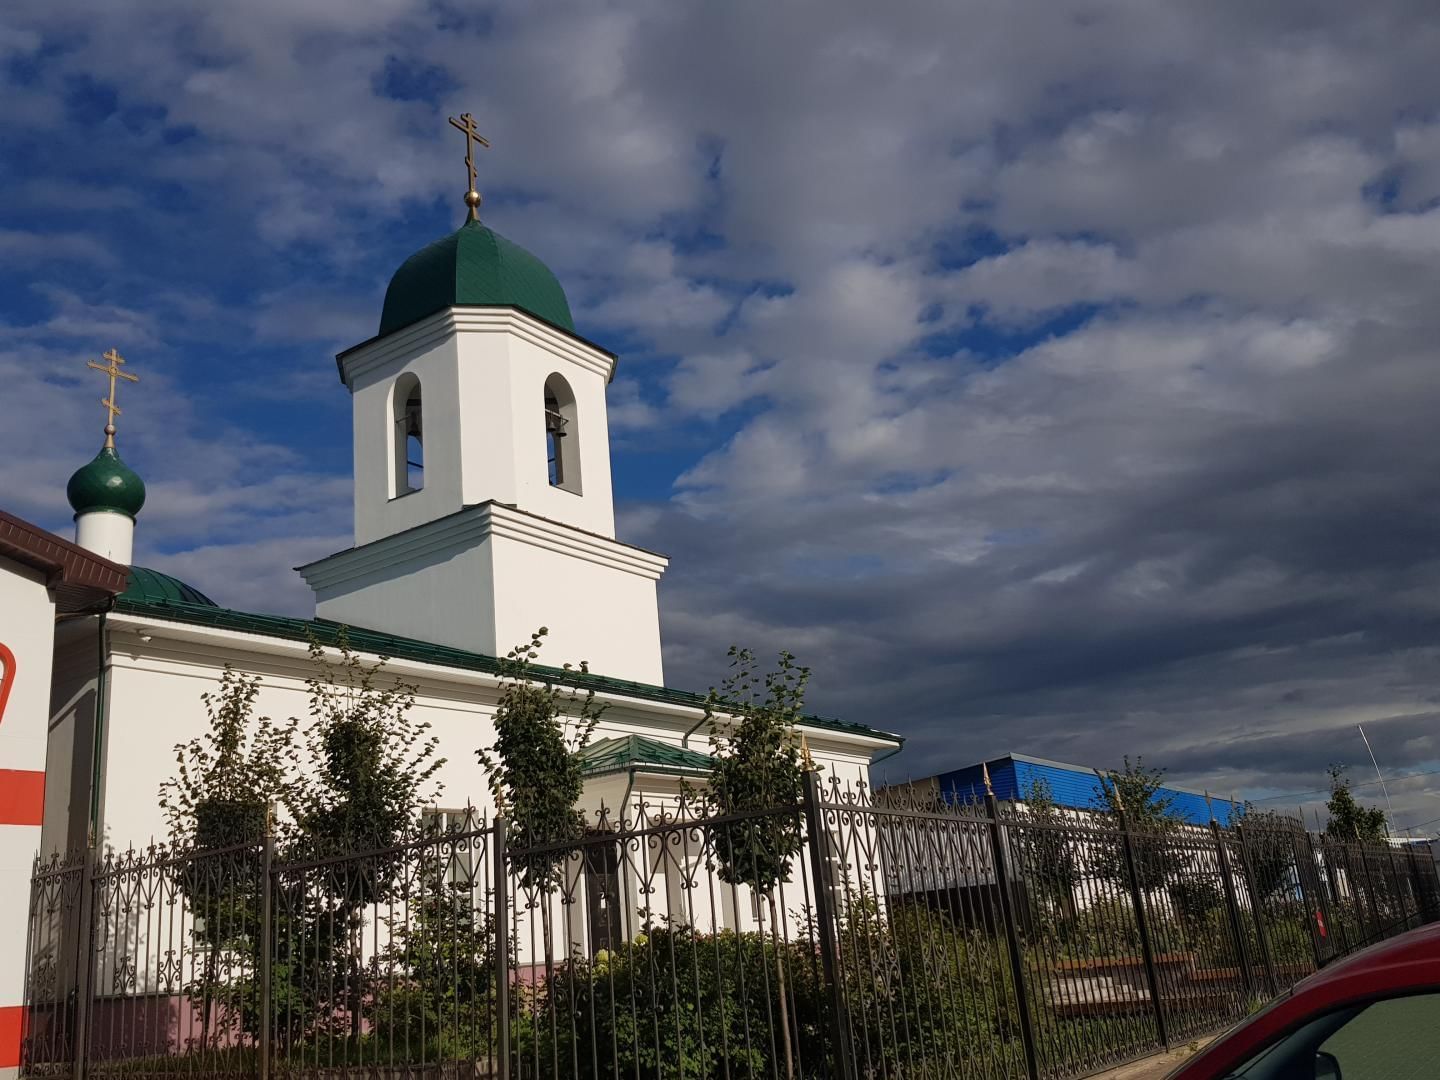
(677, 1003)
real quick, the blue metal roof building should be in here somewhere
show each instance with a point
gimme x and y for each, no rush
(1072, 786)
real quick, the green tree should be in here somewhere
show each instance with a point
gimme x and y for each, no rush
(534, 764)
(1047, 854)
(757, 773)
(1150, 813)
(1271, 846)
(1349, 821)
(370, 770)
(217, 807)
(227, 778)
(1141, 792)
(535, 772)
(435, 996)
(371, 765)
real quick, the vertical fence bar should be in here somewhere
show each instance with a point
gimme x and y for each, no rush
(1012, 936)
(267, 948)
(1422, 914)
(1142, 924)
(1232, 908)
(844, 1062)
(1318, 859)
(501, 915)
(85, 962)
(1257, 911)
(1310, 883)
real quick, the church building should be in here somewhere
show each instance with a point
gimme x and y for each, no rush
(483, 510)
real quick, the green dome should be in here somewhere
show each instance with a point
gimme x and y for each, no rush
(152, 587)
(108, 484)
(473, 265)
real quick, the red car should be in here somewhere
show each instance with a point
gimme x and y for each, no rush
(1371, 1016)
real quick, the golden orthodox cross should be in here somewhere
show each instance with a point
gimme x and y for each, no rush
(466, 124)
(112, 368)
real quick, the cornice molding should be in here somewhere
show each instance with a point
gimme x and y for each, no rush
(451, 322)
(467, 528)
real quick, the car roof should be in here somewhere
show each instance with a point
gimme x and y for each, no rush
(1389, 959)
(1405, 964)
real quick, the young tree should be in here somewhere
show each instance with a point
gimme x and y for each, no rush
(226, 779)
(1349, 821)
(370, 770)
(535, 771)
(1142, 793)
(219, 801)
(757, 772)
(1150, 813)
(1271, 847)
(370, 763)
(1047, 854)
(534, 764)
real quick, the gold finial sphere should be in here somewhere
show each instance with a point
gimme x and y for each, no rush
(473, 200)
(109, 429)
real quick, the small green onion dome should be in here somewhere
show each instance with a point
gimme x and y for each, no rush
(106, 484)
(153, 587)
(473, 265)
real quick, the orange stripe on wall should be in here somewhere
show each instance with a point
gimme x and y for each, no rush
(12, 1029)
(22, 797)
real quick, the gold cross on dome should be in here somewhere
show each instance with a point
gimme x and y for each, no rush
(112, 368)
(466, 124)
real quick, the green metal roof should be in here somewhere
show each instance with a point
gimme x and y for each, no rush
(205, 613)
(473, 265)
(625, 752)
(153, 587)
(106, 483)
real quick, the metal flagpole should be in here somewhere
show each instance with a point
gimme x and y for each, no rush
(1390, 809)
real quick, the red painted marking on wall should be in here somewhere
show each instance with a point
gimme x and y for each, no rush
(22, 797)
(7, 677)
(12, 1030)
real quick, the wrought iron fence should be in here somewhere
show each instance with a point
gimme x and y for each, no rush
(849, 936)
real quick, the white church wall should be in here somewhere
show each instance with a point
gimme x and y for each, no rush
(530, 358)
(156, 686)
(487, 578)
(27, 621)
(594, 610)
(438, 592)
(69, 755)
(482, 375)
(379, 510)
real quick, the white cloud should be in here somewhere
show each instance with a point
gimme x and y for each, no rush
(991, 541)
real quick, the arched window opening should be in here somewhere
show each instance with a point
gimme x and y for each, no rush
(409, 446)
(562, 436)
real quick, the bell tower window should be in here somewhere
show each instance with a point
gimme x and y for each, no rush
(562, 435)
(408, 437)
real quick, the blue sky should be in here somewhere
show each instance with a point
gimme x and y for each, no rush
(1053, 377)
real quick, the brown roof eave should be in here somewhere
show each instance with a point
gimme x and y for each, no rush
(80, 578)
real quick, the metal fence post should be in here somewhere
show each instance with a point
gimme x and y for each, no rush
(1309, 880)
(1424, 911)
(267, 948)
(1232, 908)
(501, 914)
(1142, 923)
(844, 1061)
(1325, 946)
(1012, 936)
(1257, 905)
(85, 962)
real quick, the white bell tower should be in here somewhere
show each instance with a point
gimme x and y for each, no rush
(483, 505)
